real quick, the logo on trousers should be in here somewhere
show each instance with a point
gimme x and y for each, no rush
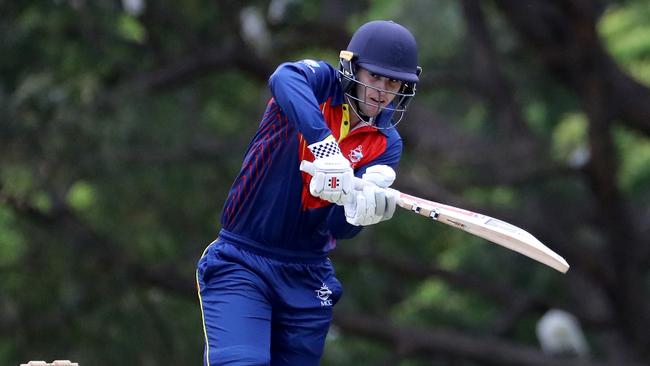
(323, 294)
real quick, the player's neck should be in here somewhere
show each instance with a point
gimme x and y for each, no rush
(354, 120)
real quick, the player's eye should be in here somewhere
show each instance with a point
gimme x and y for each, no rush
(394, 83)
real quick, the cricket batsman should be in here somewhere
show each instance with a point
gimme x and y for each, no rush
(266, 286)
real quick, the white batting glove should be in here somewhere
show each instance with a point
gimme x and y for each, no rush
(381, 175)
(333, 176)
(370, 206)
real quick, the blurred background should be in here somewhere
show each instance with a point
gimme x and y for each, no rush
(123, 124)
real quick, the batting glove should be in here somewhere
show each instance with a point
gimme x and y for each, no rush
(381, 175)
(333, 176)
(370, 206)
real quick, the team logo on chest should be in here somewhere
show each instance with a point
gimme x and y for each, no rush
(323, 294)
(356, 154)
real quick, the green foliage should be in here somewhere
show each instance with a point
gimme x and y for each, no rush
(351, 350)
(12, 242)
(224, 115)
(81, 196)
(434, 302)
(500, 197)
(634, 174)
(570, 137)
(625, 32)
(131, 29)
(114, 165)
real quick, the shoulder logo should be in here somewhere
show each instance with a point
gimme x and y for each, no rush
(356, 154)
(311, 64)
(323, 294)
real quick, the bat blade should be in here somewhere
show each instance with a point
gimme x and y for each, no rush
(489, 228)
(486, 227)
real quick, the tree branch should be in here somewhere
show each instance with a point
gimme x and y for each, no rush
(488, 73)
(409, 267)
(558, 30)
(412, 340)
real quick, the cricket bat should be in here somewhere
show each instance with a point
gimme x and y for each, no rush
(486, 227)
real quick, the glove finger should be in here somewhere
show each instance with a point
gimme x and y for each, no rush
(362, 208)
(349, 198)
(380, 202)
(317, 184)
(369, 198)
(350, 209)
(391, 202)
(340, 201)
(350, 205)
(347, 182)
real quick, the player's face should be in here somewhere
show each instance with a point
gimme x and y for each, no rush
(380, 93)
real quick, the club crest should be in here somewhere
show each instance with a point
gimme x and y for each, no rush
(356, 154)
(323, 294)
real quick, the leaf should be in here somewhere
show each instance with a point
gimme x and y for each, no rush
(130, 28)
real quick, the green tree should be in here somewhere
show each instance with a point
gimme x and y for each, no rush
(121, 129)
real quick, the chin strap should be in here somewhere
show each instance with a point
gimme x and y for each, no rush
(354, 105)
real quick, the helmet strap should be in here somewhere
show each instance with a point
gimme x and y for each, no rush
(354, 105)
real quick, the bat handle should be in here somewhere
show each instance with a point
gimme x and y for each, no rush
(308, 167)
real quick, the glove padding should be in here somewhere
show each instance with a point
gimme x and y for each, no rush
(381, 175)
(370, 206)
(333, 178)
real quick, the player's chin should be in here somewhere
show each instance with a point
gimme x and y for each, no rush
(371, 110)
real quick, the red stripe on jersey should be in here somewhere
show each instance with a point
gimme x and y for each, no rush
(258, 161)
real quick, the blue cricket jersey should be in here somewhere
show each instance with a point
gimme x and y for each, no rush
(269, 209)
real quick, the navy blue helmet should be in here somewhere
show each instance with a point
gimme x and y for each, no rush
(384, 48)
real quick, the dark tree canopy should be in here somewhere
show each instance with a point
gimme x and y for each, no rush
(122, 125)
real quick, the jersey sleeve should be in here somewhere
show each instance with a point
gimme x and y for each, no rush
(299, 88)
(339, 228)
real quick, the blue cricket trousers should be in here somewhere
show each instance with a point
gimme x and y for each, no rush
(263, 311)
